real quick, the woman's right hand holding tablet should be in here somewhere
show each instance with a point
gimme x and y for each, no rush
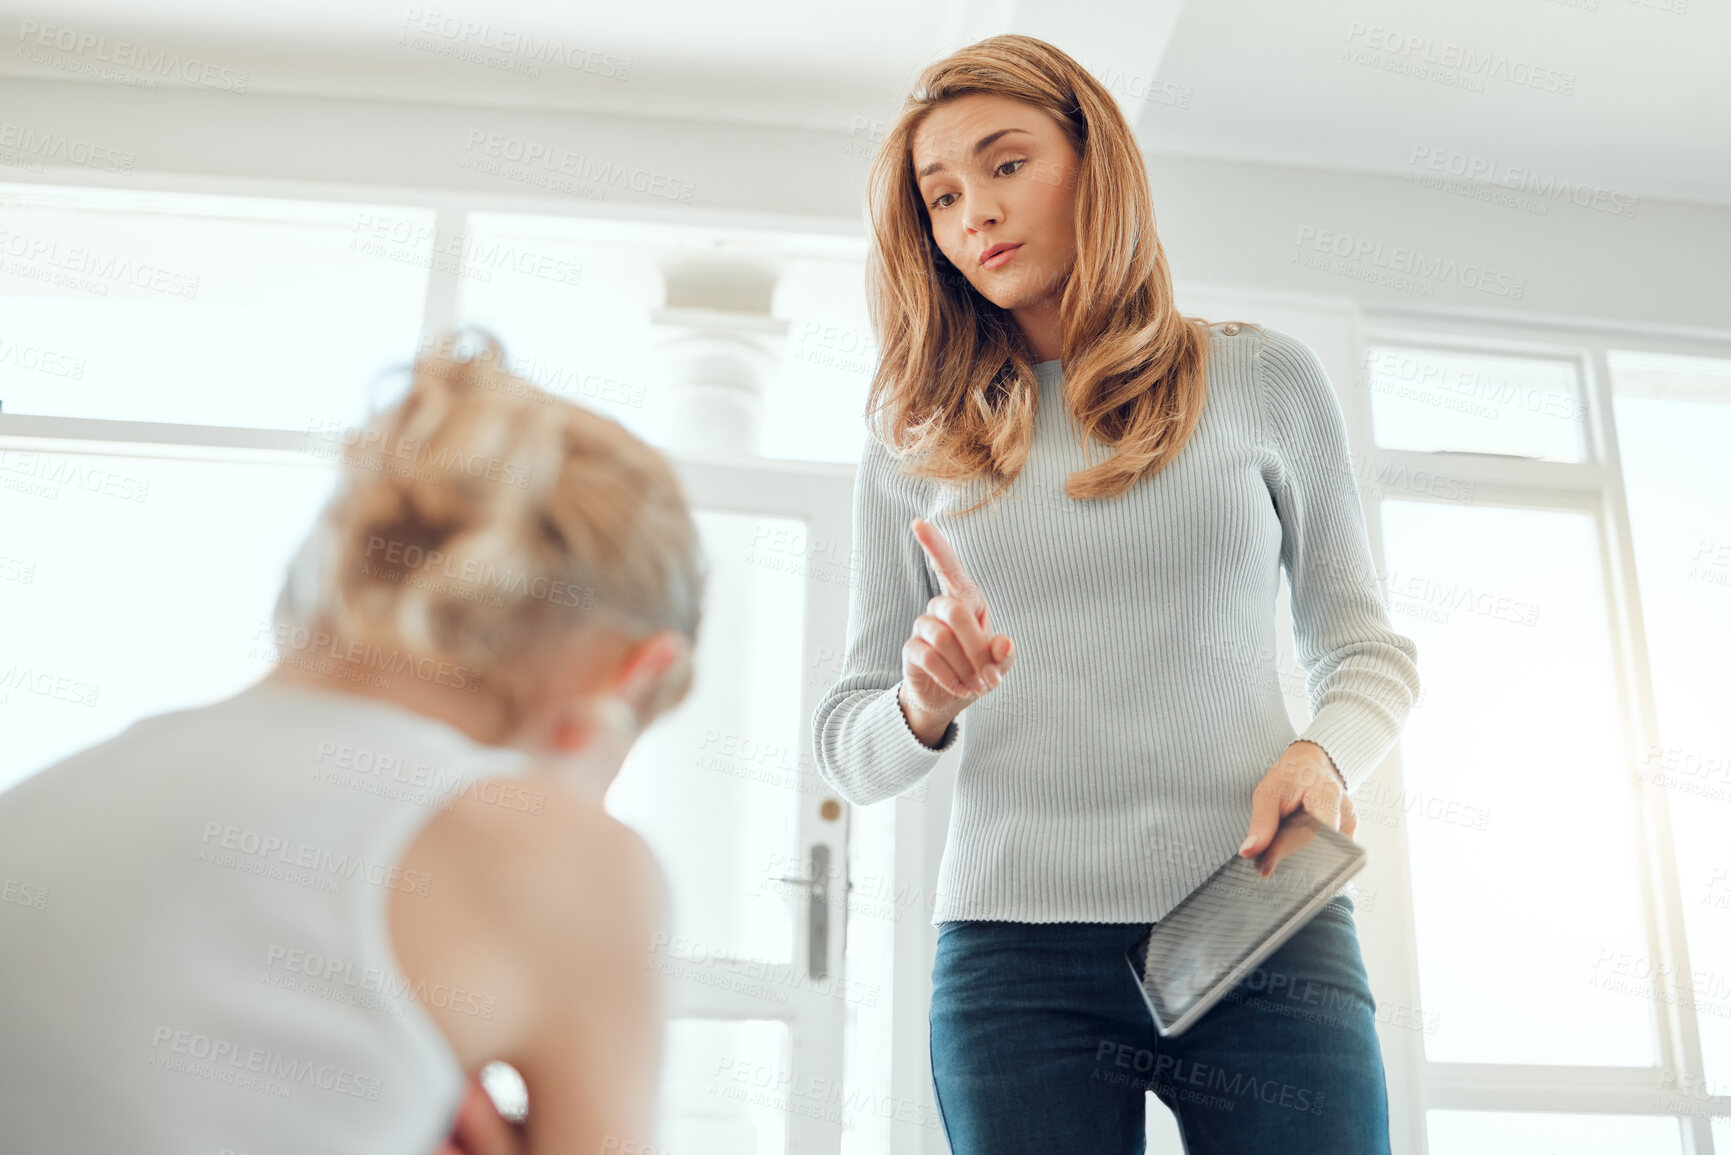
(951, 657)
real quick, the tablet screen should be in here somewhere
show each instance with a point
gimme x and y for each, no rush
(1191, 958)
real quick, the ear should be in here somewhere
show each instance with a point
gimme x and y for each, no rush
(647, 661)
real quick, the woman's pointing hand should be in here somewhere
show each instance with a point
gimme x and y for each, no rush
(951, 656)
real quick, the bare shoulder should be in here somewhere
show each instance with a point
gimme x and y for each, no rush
(574, 856)
(534, 901)
(552, 857)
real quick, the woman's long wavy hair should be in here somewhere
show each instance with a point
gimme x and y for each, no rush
(955, 381)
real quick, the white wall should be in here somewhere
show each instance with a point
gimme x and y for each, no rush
(1222, 222)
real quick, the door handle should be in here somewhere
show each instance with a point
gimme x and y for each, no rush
(817, 909)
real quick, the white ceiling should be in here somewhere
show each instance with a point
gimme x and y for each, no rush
(1263, 80)
(1650, 113)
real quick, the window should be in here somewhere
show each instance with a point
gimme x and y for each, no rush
(1673, 419)
(1554, 535)
(177, 373)
(203, 310)
(1441, 399)
(1566, 574)
(141, 558)
(621, 314)
(1478, 1132)
(1515, 760)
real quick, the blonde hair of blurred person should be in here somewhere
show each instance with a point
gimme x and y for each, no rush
(546, 559)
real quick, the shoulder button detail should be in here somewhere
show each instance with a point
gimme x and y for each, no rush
(1230, 328)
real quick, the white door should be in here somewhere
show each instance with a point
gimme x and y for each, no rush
(754, 845)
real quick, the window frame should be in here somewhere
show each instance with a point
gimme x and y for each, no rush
(1596, 486)
(821, 491)
(1416, 1084)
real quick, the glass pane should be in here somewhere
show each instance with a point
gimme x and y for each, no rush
(1511, 1133)
(869, 1016)
(1673, 427)
(203, 310)
(715, 785)
(1527, 916)
(1428, 399)
(815, 406)
(579, 305)
(583, 335)
(132, 585)
(725, 1088)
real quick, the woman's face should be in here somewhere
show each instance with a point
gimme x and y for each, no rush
(1018, 188)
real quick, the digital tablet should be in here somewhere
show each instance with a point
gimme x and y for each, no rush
(1205, 945)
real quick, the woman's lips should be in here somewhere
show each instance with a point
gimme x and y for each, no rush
(999, 258)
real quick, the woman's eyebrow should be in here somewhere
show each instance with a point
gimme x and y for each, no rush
(982, 146)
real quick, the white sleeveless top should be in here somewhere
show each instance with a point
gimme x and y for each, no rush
(194, 953)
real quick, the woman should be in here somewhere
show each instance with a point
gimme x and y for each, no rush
(294, 919)
(1024, 311)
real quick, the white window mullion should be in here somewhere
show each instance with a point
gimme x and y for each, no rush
(447, 260)
(1677, 1025)
(30, 433)
(1388, 933)
(1565, 1090)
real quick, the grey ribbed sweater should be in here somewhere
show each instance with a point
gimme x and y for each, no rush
(1111, 772)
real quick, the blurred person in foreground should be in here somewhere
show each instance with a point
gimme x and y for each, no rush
(306, 917)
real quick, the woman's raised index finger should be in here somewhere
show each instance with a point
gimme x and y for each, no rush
(951, 576)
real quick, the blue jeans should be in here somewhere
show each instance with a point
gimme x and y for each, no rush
(1042, 1045)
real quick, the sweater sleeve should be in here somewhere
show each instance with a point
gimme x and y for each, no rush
(1361, 675)
(865, 748)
